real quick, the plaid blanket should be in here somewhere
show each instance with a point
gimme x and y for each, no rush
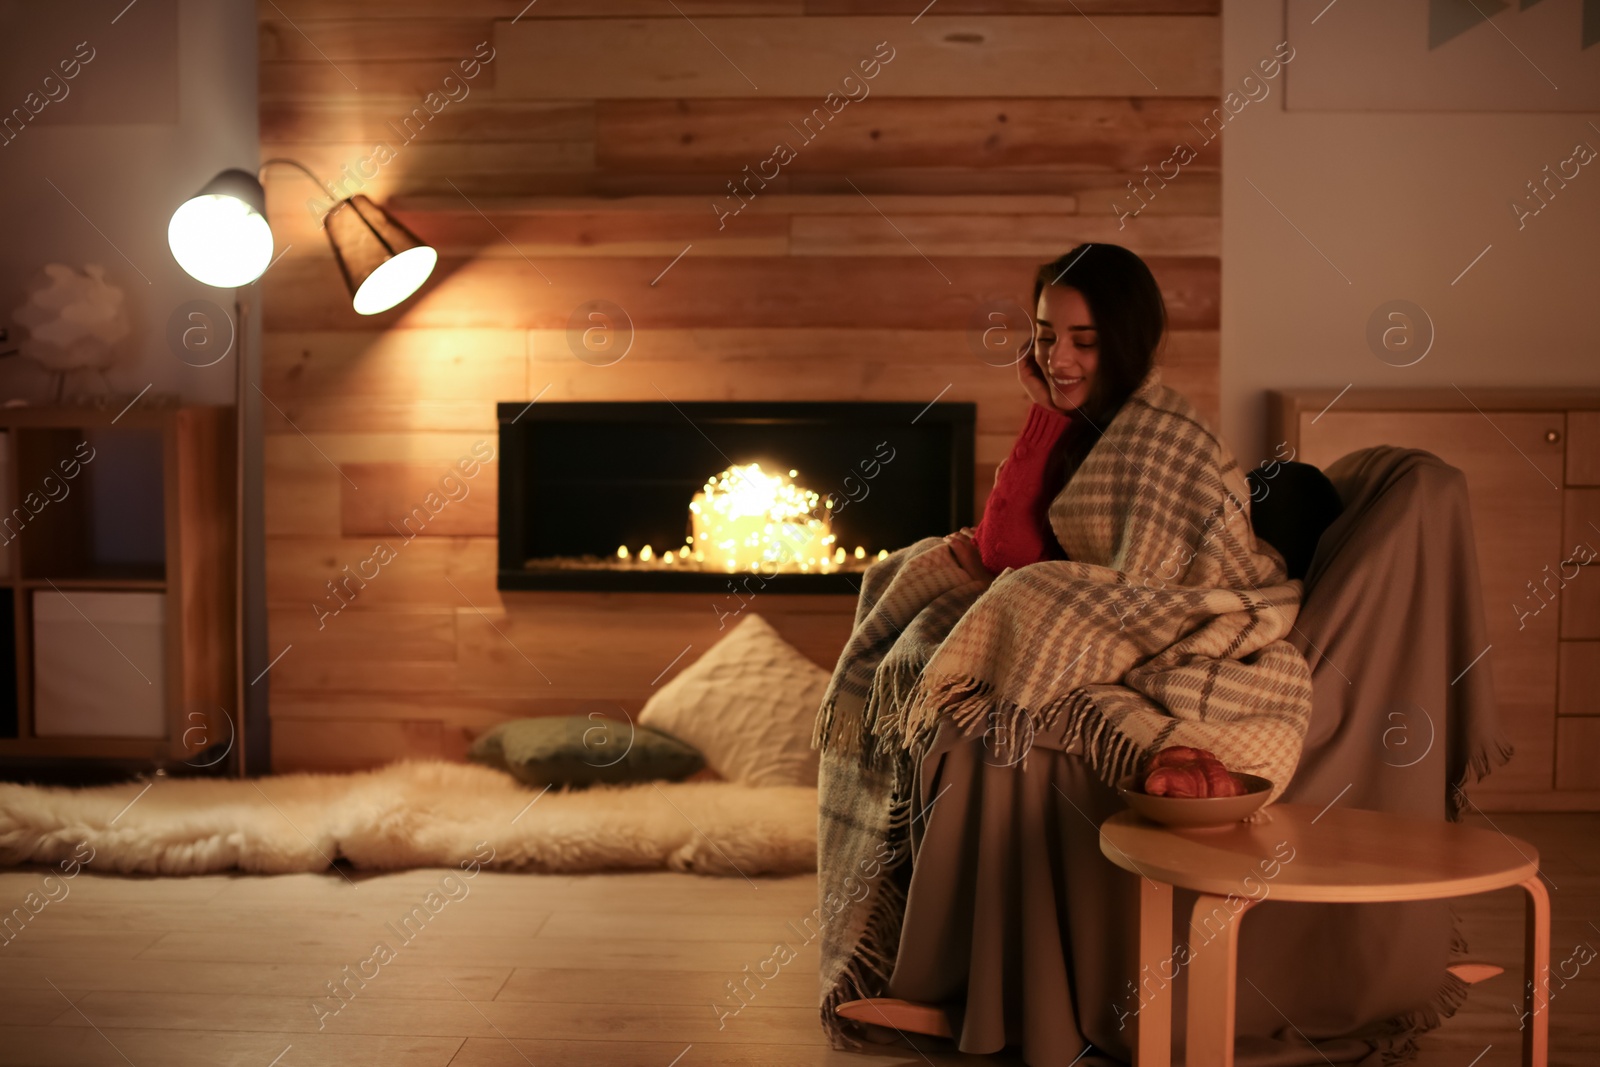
(1164, 626)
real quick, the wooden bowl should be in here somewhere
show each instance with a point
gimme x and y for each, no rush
(1196, 813)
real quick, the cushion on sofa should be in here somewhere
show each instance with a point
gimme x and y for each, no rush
(1292, 506)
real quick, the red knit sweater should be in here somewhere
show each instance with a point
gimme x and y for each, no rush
(1015, 529)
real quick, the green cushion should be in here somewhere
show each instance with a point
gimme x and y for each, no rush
(584, 749)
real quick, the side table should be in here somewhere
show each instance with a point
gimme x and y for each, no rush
(1340, 855)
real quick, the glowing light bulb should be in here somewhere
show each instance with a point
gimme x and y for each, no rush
(861, 553)
(220, 240)
(646, 554)
(748, 519)
(838, 554)
(883, 553)
(622, 551)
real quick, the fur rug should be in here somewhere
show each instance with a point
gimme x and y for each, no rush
(411, 814)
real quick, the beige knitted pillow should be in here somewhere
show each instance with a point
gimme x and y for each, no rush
(748, 705)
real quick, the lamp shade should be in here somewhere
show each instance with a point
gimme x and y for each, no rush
(382, 261)
(220, 235)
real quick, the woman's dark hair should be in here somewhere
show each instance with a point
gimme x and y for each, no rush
(1129, 319)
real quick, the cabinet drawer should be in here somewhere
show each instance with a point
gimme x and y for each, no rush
(1583, 448)
(1580, 520)
(1580, 604)
(1578, 753)
(1580, 678)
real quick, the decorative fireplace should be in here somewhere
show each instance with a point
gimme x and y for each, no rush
(679, 497)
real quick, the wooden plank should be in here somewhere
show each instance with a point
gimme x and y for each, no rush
(331, 40)
(915, 347)
(476, 118)
(595, 652)
(312, 10)
(1044, 236)
(200, 484)
(466, 230)
(300, 498)
(395, 82)
(360, 631)
(420, 575)
(1197, 194)
(338, 745)
(416, 380)
(1094, 133)
(292, 451)
(337, 410)
(937, 56)
(1557, 403)
(904, 291)
(418, 500)
(504, 210)
(418, 166)
(1016, 7)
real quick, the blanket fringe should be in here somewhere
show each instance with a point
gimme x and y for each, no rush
(1400, 1046)
(1008, 728)
(871, 963)
(1496, 752)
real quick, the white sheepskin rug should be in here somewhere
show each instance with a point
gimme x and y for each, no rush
(412, 814)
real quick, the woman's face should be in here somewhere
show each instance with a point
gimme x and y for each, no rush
(1065, 345)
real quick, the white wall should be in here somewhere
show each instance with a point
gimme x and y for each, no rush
(1400, 202)
(126, 144)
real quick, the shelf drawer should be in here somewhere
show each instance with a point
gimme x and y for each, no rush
(1583, 448)
(1581, 521)
(1580, 604)
(98, 664)
(1580, 678)
(1578, 753)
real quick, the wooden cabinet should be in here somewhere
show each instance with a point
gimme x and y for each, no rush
(1526, 456)
(117, 519)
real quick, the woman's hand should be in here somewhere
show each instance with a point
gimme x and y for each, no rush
(1033, 383)
(967, 556)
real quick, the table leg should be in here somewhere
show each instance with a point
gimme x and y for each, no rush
(1152, 1032)
(1213, 980)
(1536, 971)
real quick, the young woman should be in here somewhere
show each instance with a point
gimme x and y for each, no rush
(1099, 318)
(1000, 681)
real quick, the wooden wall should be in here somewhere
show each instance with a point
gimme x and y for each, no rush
(577, 164)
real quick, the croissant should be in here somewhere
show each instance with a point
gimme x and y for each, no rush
(1180, 771)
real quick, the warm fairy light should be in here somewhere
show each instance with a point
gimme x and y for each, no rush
(883, 553)
(646, 554)
(746, 519)
(668, 557)
(838, 554)
(622, 551)
(861, 553)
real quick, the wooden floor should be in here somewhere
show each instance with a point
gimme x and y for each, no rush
(509, 970)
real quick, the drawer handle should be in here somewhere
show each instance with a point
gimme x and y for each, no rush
(1552, 436)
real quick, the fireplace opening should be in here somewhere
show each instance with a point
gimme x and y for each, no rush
(679, 497)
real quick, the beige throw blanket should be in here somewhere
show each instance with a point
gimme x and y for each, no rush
(1165, 626)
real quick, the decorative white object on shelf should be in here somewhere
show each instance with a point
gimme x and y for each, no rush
(74, 320)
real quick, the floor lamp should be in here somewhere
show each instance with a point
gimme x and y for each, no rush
(221, 237)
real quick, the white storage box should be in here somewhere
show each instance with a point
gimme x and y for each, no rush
(99, 664)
